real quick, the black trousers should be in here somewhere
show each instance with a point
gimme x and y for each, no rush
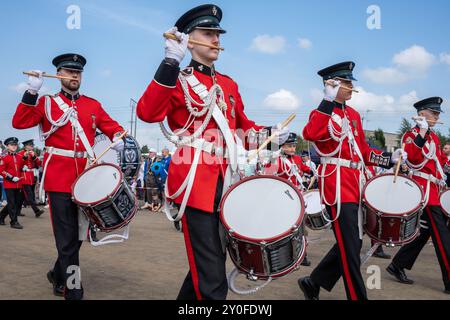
(344, 257)
(207, 279)
(436, 222)
(29, 198)
(14, 198)
(64, 215)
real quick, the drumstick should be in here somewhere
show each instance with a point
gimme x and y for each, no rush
(34, 74)
(312, 183)
(173, 37)
(109, 148)
(397, 169)
(343, 87)
(271, 138)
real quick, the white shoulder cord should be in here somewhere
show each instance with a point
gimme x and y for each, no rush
(56, 124)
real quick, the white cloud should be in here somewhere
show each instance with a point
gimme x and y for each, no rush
(415, 59)
(445, 58)
(365, 100)
(385, 75)
(304, 43)
(409, 64)
(282, 100)
(269, 44)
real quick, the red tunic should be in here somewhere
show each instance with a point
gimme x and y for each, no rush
(11, 166)
(283, 171)
(163, 98)
(317, 131)
(414, 145)
(31, 163)
(63, 171)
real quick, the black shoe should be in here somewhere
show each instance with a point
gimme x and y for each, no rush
(21, 215)
(398, 273)
(58, 290)
(447, 289)
(177, 225)
(16, 225)
(381, 254)
(39, 213)
(310, 290)
(305, 262)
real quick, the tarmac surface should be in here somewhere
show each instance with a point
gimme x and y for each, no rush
(152, 264)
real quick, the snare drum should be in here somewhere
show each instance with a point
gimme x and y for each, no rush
(105, 197)
(263, 218)
(445, 202)
(392, 210)
(315, 211)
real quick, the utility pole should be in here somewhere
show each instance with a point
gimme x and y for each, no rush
(133, 104)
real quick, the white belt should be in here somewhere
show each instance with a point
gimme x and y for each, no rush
(425, 176)
(342, 162)
(210, 148)
(67, 153)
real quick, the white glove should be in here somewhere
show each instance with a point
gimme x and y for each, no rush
(176, 49)
(331, 90)
(25, 168)
(118, 144)
(421, 122)
(399, 154)
(15, 179)
(443, 182)
(283, 133)
(35, 83)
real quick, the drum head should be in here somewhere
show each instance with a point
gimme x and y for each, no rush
(385, 196)
(101, 143)
(96, 184)
(445, 202)
(262, 208)
(313, 204)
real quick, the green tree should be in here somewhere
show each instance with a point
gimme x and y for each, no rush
(443, 139)
(145, 149)
(380, 140)
(405, 126)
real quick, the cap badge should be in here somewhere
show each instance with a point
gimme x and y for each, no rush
(352, 66)
(214, 11)
(75, 58)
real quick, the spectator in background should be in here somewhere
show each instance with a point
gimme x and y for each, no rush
(166, 158)
(140, 185)
(446, 151)
(2, 196)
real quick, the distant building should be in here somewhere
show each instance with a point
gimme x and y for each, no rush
(392, 139)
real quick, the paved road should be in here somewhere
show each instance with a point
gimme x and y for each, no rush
(153, 264)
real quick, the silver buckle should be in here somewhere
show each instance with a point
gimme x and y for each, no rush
(354, 165)
(79, 154)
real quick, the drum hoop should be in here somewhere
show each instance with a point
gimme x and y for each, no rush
(389, 214)
(395, 243)
(440, 197)
(121, 225)
(121, 178)
(274, 238)
(280, 274)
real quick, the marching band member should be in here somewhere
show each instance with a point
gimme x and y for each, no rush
(11, 166)
(69, 121)
(205, 109)
(428, 164)
(288, 165)
(336, 131)
(31, 162)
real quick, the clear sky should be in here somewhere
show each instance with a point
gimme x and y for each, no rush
(273, 51)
